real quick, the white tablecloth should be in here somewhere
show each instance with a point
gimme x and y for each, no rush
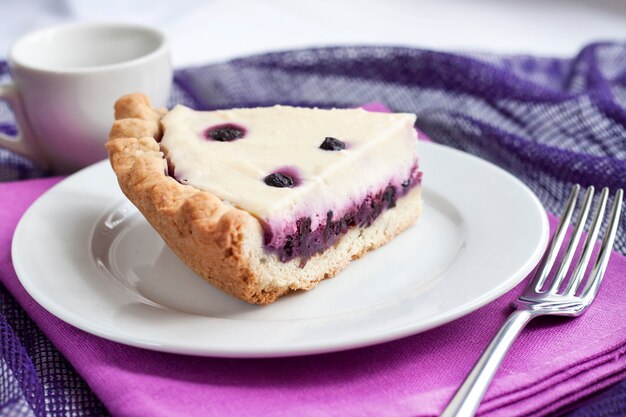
(203, 31)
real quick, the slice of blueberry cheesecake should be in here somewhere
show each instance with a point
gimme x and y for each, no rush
(264, 201)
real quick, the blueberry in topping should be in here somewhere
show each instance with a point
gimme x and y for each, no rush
(279, 180)
(225, 133)
(332, 144)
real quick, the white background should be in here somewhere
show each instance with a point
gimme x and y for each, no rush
(215, 30)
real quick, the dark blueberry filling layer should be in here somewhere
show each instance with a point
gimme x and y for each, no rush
(225, 133)
(305, 242)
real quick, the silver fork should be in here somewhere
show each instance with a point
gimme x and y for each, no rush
(557, 298)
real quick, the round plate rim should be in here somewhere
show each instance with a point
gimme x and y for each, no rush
(293, 349)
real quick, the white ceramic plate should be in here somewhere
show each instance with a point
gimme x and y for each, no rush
(86, 255)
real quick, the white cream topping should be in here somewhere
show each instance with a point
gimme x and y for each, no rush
(380, 148)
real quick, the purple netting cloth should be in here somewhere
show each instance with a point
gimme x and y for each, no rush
(552, 122)
(35, 380)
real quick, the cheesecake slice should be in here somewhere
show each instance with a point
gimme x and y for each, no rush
(264, 201)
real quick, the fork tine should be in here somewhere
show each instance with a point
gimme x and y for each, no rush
(555, 243)
(597, 273)
(573, 243)
(592, 235)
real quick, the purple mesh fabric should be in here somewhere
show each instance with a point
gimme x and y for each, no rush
(551, 122)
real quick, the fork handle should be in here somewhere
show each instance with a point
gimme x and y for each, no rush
(466, 400)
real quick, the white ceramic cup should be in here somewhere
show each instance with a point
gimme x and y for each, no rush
(66, 80)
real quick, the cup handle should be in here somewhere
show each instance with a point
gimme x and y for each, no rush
(24, 143)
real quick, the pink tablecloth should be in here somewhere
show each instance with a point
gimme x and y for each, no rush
(554, 364)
